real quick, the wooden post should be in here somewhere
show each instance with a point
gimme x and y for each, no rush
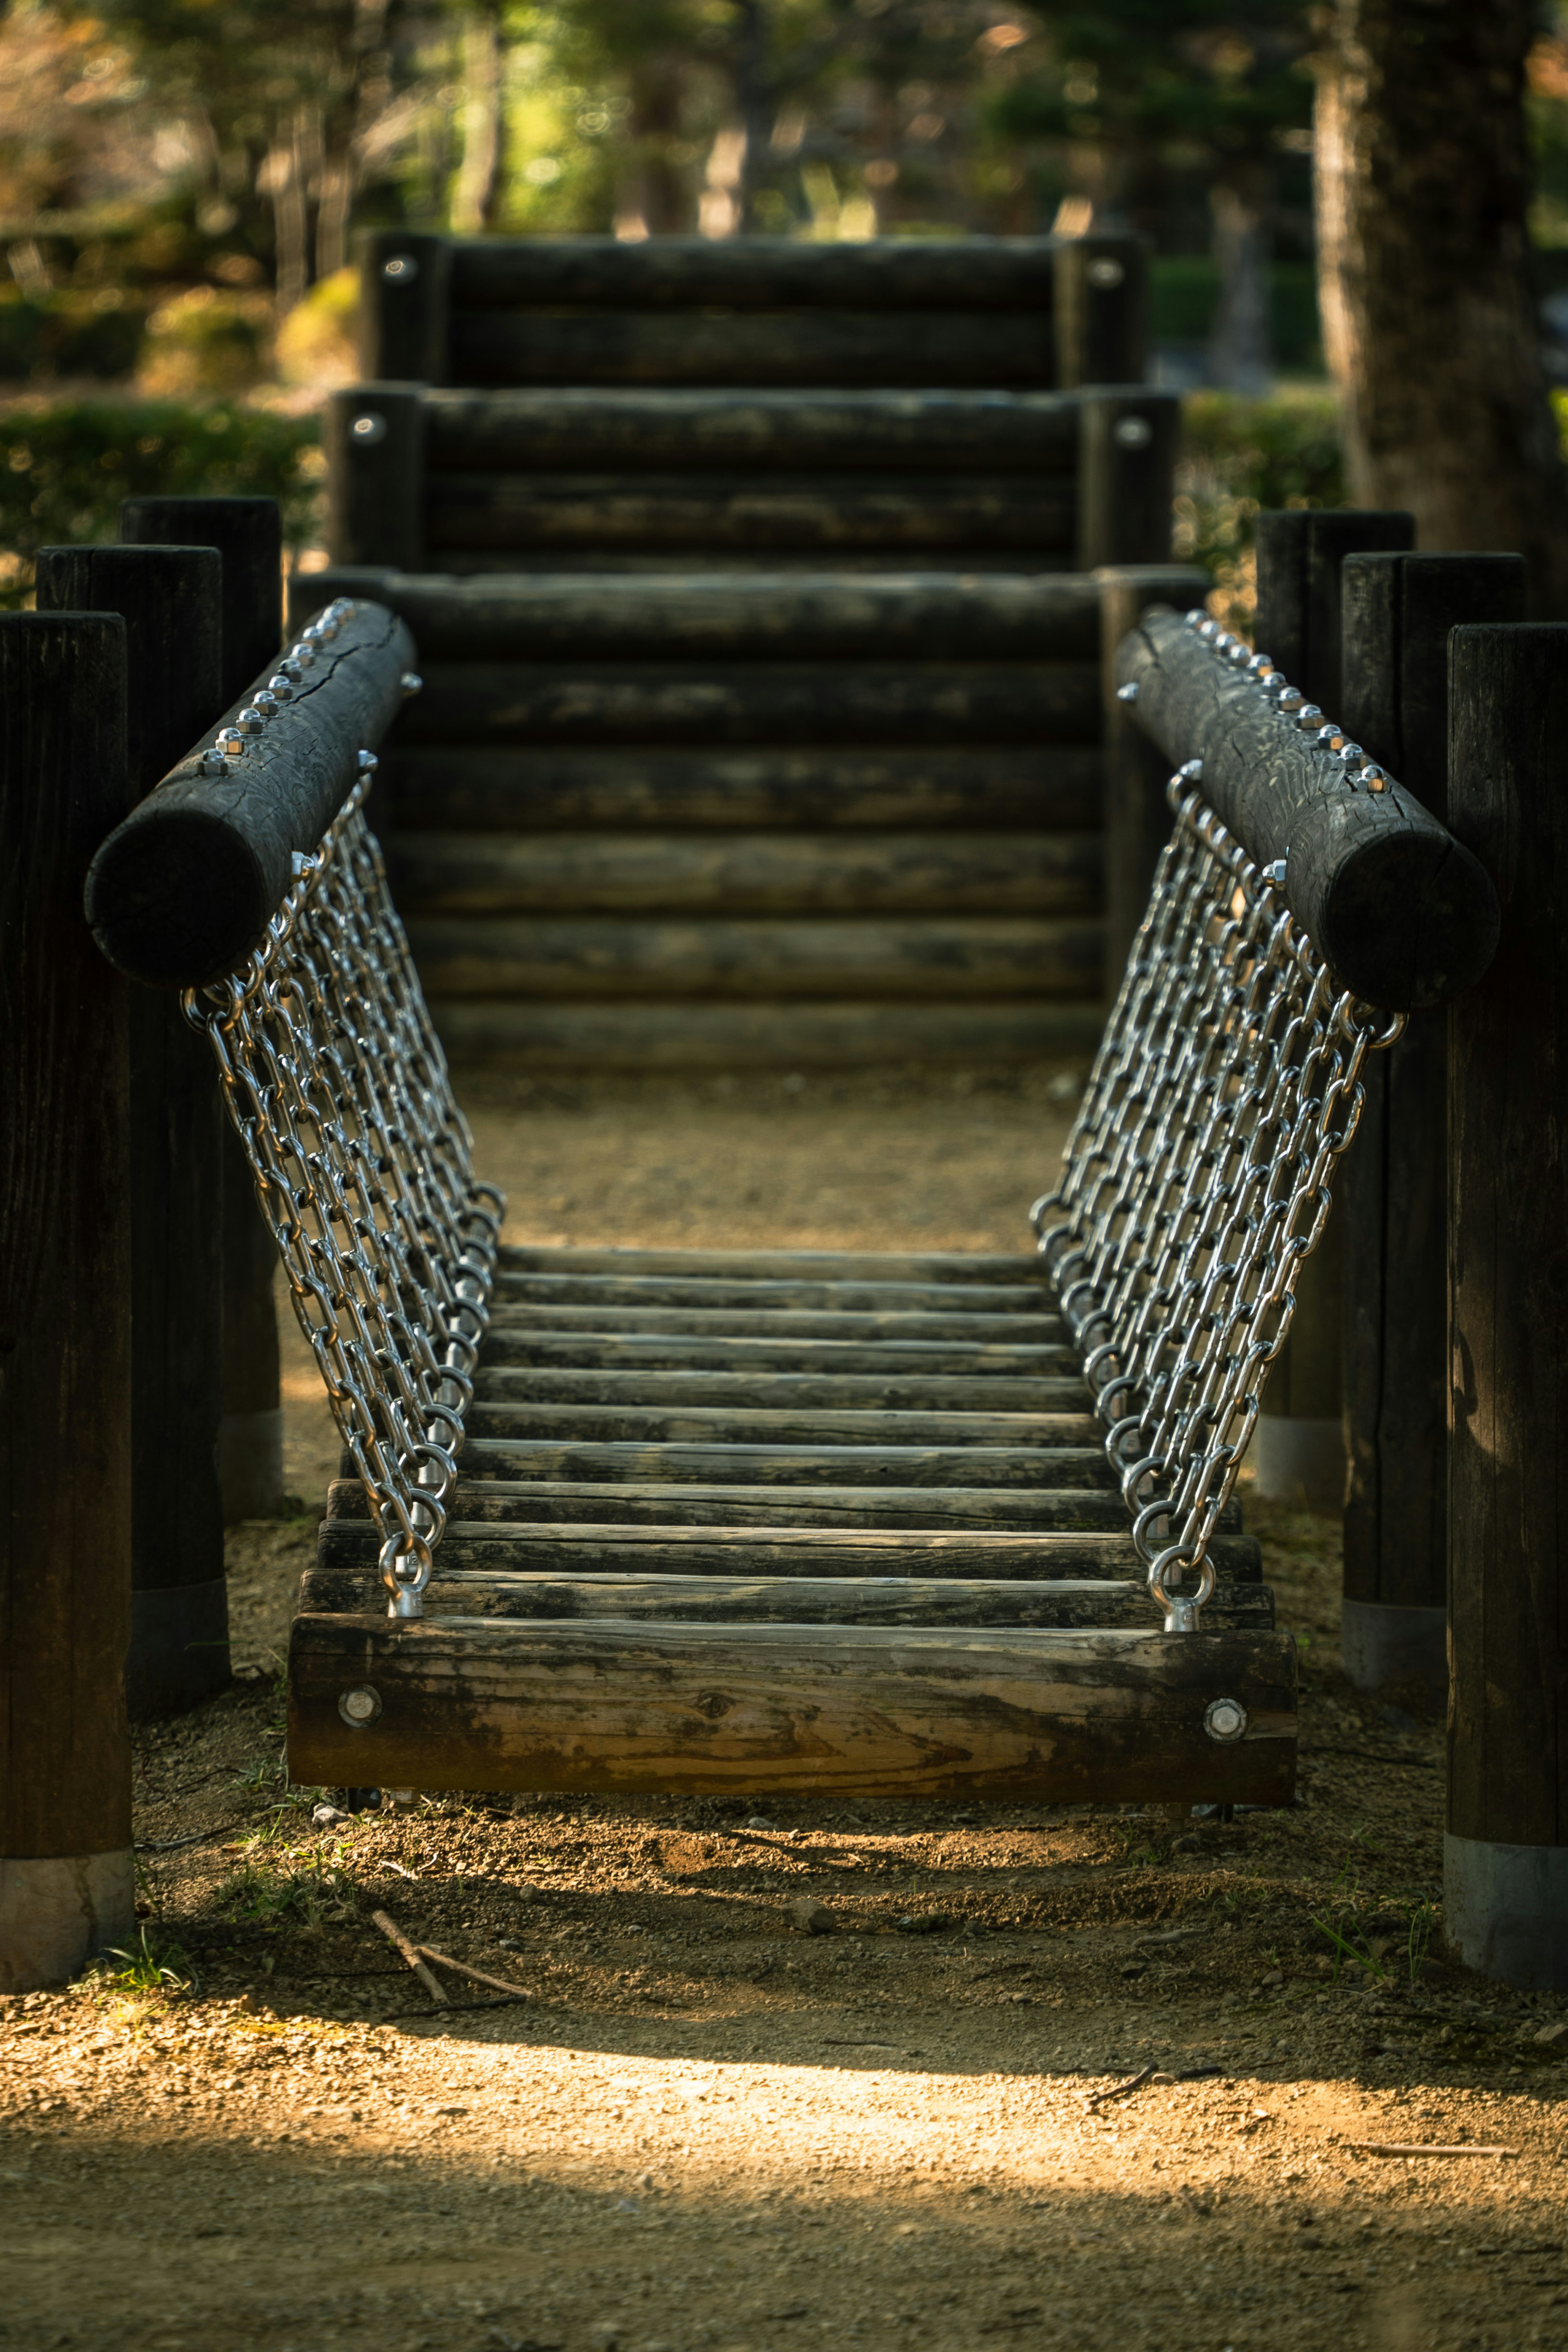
(403, 283)
(1298, 1453)
(1100, 294)
(1506, 1855)
(247, 534)
(374, 440)
(1398, 612)
(170, 600)
(67, 1883)
(1136, 818)
(1126, 473)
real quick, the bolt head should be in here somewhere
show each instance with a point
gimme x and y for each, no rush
(1105, 272)
(400, 269)
(360, 1707)
(1225, 1719)
(1132, 433)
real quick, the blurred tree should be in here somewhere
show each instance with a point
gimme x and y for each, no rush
(1429, 312)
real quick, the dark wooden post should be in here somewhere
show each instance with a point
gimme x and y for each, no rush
(1506, 1855)
(170, 599)
(1100, 292)
(374, 439)
(405, 279)
(1137, 816)
(247, 534)
(1126, 476)
(1398, 612)
(67, 1883)
(1298, 1451)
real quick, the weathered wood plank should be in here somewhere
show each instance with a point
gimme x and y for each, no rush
(902, 516)
(679, 273)
(728, 1424)
(686, 1035)
(1137, 814)
(500, 1528)
(1052, 1469)
(869, 1294)
(1046, 788)
(729, 1503)
(685, 431)
(834, 348)
(817, 616)
(830, 1392)
(779, 1265)
(729, 874)
(1022, 1329)
(738, 1598)
(936, 959)
(655, 1350)
(615, 1707)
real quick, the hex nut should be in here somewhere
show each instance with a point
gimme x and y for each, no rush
(360, 1707)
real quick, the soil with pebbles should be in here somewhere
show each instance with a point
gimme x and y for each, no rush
(704, 2126)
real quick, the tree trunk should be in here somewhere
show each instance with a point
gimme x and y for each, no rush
(1430, 322)
(473, 199)
(1239, 357)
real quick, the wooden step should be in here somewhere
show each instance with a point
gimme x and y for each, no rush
(773, 703)
(679, 273)
(657, 1350)
(793, 348)
(609, 1707)
(757, 1600)
(1041, 1468)
(935, 958)
(680, 430)
(481, 788)
(779, 1265)
(794, 1425)
(518, 1385)
(1021, 1328)
(642, 1287)
(484, 1493)
(796, 1035)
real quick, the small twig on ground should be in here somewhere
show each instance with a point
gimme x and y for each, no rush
(400, 1942)
(1119, 2090)
(497, 1984)
(1413, 2147)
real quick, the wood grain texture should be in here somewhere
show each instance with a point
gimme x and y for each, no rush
(181, 892)
(720, 1352)
(836, 1290)
(791, 1036)
(1007, 1266)
(735, 874)
(1100, 307)
(1137, 814)
(697, 432)
(777, 1391)
(1046, 788)
(729, 1502)
(1300, 555)
(1508, 1215)
(617, 1707)
(406, 283)
(249, 536)
(65, 1249)
(885, 348)
(938, 960)
(739, 1597)
(759, 615)
(780, 1424)
(730, 1462)
(1402, 912)
(678, 273)
(374, 440)
(756, 1321)
(1128, 441)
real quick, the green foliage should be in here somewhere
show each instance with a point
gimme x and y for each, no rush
(277, 1885)
(64, 468)
(1184, 302)
(73, 333)
(152, 1965)
(1239, 455)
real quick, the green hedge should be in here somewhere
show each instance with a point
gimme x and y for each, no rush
(1183, 303)
(65, 467)
(1238, 455)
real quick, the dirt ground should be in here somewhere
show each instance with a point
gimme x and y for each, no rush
(705, 2128)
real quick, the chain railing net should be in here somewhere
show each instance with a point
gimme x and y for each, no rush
(338, 1087)
(1197, 1180)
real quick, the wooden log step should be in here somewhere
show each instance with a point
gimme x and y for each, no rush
(737, 1600)
(1048, 1468)
(780, 1323)
(845, 1295)
(902, 518)
(725, 1503)
(779, 1265)
(747, 1425)
(771, 703)
(722, 875)
(1048, 788)
(471, 565)
(841, 1391)
(680, 273)
(796, 1035)
(832, 349)
(612, 1707)
(726, 1352)
(498, 1527)
(682, 430)
(996, 619)
(929, 957)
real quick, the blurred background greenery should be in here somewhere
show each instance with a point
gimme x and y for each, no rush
(180, 183)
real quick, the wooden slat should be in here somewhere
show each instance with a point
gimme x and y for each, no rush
(930, 960)
(776, 1264)
(771, 703)
(613, 1708)
(831, 348)
(507, 1384)
(1052, 1469)
(1052, 788)
(748, 1426)
(737, 1598)
(677, 273)
(474, 567)
(902, 516)
(732, 875)
(499, 1529)
(757, 431)
(959, 1322)
(727, 1503)
(867, 1295)
(730, 1351)
(684, 1036)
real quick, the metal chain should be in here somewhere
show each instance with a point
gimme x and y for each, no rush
(1197, 1178)
(362, 1163)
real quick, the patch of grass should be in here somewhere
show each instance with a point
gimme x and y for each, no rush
(154, 1963)
(277, 1886)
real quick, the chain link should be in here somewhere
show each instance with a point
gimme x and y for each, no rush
(1197, 1180)
(362, 1163)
